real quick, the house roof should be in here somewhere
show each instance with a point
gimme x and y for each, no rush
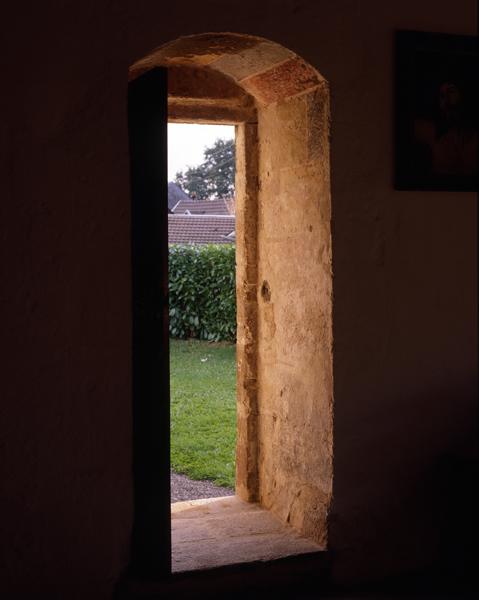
(201, 229)
(202, 207)
(175, 195)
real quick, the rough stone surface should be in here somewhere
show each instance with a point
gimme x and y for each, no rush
(226, 531)
(246, 190)
(202, 95)
(185, 81)
(209, 112)
(294, 313)
(282, 81)
(251, 61)
(199, 50)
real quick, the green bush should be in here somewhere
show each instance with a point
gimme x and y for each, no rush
(202, 292)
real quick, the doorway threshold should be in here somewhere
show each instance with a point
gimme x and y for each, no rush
(218, 532)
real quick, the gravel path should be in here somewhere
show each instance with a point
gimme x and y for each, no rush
(184, 488)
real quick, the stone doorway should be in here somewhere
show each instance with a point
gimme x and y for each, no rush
(280, 106)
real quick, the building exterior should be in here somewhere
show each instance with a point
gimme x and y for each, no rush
(222, 206)
(201, 229)
(175, 196)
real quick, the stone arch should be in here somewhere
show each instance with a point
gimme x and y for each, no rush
(266, 70)
(280, 105)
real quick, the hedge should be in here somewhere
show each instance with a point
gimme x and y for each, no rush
(202, 292)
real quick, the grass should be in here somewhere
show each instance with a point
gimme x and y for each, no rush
(203, 410)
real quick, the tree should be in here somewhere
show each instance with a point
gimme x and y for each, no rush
(214, 177)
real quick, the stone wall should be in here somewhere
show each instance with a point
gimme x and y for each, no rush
(281, 105)
(295, 390)
(404, 288)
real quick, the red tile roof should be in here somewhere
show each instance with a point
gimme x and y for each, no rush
(201, 207)
(201, 229)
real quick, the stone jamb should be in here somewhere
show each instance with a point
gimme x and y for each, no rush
(246, 188)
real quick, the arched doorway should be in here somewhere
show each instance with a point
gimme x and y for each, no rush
(280, 105)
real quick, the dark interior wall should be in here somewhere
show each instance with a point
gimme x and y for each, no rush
(65, 431)
(404, 323)
(65, 435)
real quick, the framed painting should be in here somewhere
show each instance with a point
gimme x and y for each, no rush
(436, 112)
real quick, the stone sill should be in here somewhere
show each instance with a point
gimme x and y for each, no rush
(227, 548)
(220, 532)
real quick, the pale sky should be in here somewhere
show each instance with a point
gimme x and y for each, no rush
(186, 144)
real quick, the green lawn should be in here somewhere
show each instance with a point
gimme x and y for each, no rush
(203, 410)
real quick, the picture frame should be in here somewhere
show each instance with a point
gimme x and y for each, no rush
(436, 112)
